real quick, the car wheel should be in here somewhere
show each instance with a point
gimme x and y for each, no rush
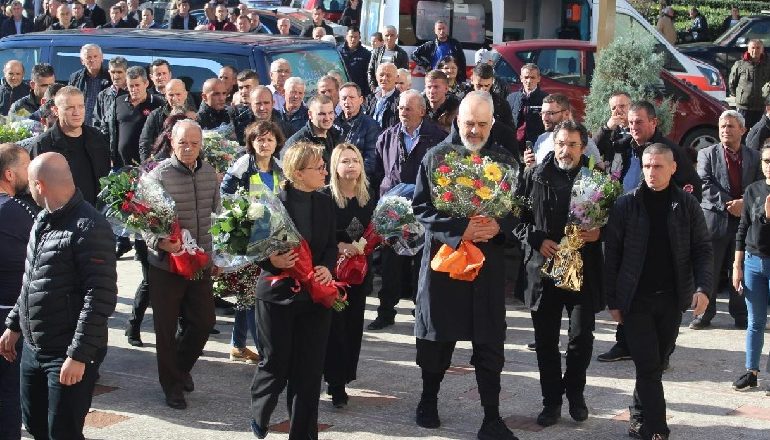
(700, 138)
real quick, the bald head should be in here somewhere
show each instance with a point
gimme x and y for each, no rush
(50, 181)
(214, 93)
(13, 72)
(176, 93)
(474, 119)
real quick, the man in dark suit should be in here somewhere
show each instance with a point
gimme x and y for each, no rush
(726, 169)
(95, 13)
(526, 105)
(183, 19)
(47, 18)
(17, 23)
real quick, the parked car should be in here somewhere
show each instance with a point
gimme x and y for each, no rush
(194, 56)
(731, 45)
(332, 8)
(567, 66)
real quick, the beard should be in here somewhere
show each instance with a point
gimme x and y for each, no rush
(566, 163)
(473, 146)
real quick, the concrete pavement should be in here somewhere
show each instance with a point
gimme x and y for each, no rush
(701, 402)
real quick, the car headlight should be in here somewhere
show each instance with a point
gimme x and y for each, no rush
(712, 76)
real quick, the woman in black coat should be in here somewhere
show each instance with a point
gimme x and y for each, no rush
(349, 188)
(293, 330)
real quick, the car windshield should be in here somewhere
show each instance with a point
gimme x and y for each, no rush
(729, 35)
(310, 65)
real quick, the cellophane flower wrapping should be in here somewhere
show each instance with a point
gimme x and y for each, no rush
(117, 198)
(592, 197)
(303, 272)
(219, 150)
(467, 184)
(242, 283)
(394, 221)
(352, 269)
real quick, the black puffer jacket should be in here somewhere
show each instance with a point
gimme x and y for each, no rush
(9, 95)
(70, 283)
(625, 248)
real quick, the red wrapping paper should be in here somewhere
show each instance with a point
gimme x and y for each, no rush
(352, 270)
(191, 259)
(303, 273)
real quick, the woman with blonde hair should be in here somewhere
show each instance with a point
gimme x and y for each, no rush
(292, 329)
(349, 188)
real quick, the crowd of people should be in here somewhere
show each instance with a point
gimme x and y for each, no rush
(679, 227)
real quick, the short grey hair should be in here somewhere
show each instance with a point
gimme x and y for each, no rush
(90, 46)
(118, 63)
(275, 63)
(390, 27)
(735, 115)
(136, 72)
(388, 65)
(293, 80)
(406, 95)
(179, 126)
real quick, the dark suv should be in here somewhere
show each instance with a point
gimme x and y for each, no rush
(194, 56)
(731, 45)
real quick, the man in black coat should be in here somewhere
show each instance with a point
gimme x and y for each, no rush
(104, 109)
(318, 21)
(183, 19)
(548, 186)
(356, 58)
(17, 23)
(616, 127)
(12, 86)
(658, 262)
(431, 52)
(214, 111)
(382, 105)
(760, 132)
(47, 18)
(84, 147)
(68, 294)
(92, 78)
(42, 77)
(450, 310)
(526, 105)
(95, 13)
(319, 128)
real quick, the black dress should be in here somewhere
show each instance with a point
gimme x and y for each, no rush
(348, 326)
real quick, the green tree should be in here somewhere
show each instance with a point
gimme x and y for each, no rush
(630, 64)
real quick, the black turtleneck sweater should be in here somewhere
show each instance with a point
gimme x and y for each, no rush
(301, 209)
(658, 270)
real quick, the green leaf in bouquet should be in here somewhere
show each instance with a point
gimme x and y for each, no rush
(228, 225)
(215, 229)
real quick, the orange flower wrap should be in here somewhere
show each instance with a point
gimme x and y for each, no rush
(463, 264)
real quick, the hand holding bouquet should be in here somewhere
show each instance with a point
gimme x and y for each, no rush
(352, 269)
(218, 150)
(394, 221)
(592, 197)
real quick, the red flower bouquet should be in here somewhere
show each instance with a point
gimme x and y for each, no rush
(190, 261)
(303, 272)
(352, 270)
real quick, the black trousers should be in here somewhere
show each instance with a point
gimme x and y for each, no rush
(487, 359)
(651, 327)
(142, 295)
(292, 341)
(49, 409)
(10, 405)
(173, 296)
(399, 279)
(547, 323)
(347, 329)
(724, 256)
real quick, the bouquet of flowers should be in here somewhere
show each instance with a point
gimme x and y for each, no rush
(251, 226)
(303, 273)
(352, 269)
(241, 283)
(394, 221)
(465, 184)
(218, 150)
(117, 193)
(592, 197)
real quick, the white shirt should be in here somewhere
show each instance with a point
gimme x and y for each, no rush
(279, 101)
(544, 145)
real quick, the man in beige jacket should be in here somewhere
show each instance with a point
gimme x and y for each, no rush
(666, 24)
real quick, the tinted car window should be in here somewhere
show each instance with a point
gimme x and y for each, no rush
(759, 30)
(563, 65)
(310, 65)
(505, 71)
(194, 70)
(28, 56)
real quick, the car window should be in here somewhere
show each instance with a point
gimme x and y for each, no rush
(563, 65)
(759, 30)
(626, 24)
(370, 17)
(29, 56)
(505, 71)
(467, 20)
(310, 65)
(726, 38)
(190, 67)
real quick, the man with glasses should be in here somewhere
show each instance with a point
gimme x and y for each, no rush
(280, 71)
(556, 108)
(389, 52)
(320, 126)
(548, 186)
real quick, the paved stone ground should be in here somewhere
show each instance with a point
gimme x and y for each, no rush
(701, 403)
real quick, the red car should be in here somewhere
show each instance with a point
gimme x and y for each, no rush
(332, 8)
(566, 66)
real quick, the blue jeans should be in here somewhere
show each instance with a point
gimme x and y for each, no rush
(10, 406)
(756, 291)
(49, 409)
(245, 320)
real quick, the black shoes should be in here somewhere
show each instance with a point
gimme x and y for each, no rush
(549, 415)
(122, 247)
(187, 383)
(495, 430)
(258, 431)
(427, 414)
(635, 428)
(578, 409)
(746, 382)
(741, 323)
(616, 353)
(135, 340)
(700, 323)
(176, 401)
(532, 346)
(380, 323)
(339, 396)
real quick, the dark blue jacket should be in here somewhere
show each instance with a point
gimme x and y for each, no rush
(9, 27)
(295, 122)
(361, 131)
(423, 56)
(14, 233)
(9, 95)
(357, 63)
(534, 103)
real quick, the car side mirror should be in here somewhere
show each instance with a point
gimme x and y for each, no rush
(741, 41)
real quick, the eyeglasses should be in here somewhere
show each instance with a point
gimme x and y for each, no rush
(552, 113)
(569, 145)
(321, 168)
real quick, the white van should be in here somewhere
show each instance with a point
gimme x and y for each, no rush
(479, 23)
